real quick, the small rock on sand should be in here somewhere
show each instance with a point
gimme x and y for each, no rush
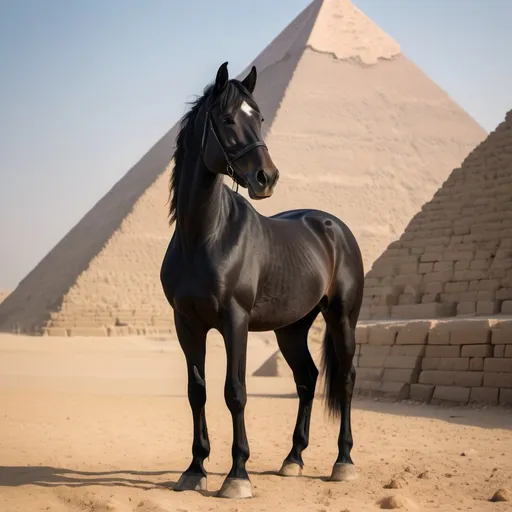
(501, 495)
(424, 475)
(395, 483)
(397, 501)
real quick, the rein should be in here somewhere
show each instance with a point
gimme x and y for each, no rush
(230, 168)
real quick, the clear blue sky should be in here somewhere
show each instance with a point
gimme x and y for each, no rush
(87, 86)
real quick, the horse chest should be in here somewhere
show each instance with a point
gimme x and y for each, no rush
(194, 294)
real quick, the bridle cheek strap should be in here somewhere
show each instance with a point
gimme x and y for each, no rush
(230, 170)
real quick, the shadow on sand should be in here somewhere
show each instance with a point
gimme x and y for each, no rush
(46, 476)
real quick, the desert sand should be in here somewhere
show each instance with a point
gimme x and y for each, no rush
(103, 424)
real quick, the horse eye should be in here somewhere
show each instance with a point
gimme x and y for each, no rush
(228, 120)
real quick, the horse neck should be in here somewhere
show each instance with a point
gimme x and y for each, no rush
(202, 202)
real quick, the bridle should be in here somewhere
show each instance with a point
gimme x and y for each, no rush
(209, 125)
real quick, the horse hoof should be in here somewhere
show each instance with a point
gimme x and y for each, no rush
(189, 482)
(235, 488)
(290, 469)
(343, 472)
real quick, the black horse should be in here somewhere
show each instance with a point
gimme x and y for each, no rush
(229, 268)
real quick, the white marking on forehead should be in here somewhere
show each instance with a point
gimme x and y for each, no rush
(245, 107)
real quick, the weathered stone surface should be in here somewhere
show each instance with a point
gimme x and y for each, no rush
(383, 334)
(484, 395)
(453, 378)
(413, 333)
(498, 380)
(466, 263)
(473, 332)
(476, 351)
(442, 351)
(421, 392)
(456, 394)
(505, 397)
(495, 364)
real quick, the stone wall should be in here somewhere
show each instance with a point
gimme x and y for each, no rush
(450, 360)
(455, 256)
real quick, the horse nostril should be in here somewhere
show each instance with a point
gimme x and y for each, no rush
(261, 177)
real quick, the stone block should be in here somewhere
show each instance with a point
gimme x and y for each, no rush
(425, 268)
(399, 390)
(367, 385)
(454, 363)
(451, 378)
(443, 266)
(485, 295)
(364, 313)
(442, 277)
(484, 395)
(476, 363)
(470, 332)
(498, 380)
(413, 333)
(56, 331)
(499, 350)
(466, 308)
(88, 331)
(457, 394)
(508, 350)
(442, 351)
(430, 363)
(476, 351)
(361, 334)
(423, 311)
(403, 362)
(434, 288)
(504, 294)
(407, 350)
(374, 361)
(488, 307)
(485, 284)
(369, 374)
(505, 396)
(501, 333)
(375, 350)
(456, 287)
(495, 364)
(421, 392)
(382, 334)
(439, 334)
(430, 298)
(457, 255)
(506, 307)
(400, 375)
(380, 312)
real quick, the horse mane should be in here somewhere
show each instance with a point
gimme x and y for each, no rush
(233, 95)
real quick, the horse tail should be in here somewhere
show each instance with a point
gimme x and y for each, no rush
(333, 381)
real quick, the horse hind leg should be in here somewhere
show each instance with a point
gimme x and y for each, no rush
(339, 349)
(293, 343)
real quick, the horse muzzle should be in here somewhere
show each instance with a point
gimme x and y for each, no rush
(261, 183)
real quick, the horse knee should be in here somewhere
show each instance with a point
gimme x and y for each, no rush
(235, 396)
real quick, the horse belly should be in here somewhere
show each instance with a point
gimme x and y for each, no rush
(274, 312)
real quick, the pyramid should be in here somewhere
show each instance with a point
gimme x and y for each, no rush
(3, 295)
(353, 126)
(455, 256)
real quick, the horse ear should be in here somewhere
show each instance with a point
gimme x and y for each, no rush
(222, 77)
(250, 80)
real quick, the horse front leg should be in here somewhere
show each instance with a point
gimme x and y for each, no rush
(193, 343)
(234, 330)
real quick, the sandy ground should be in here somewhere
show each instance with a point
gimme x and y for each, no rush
(104, 425)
